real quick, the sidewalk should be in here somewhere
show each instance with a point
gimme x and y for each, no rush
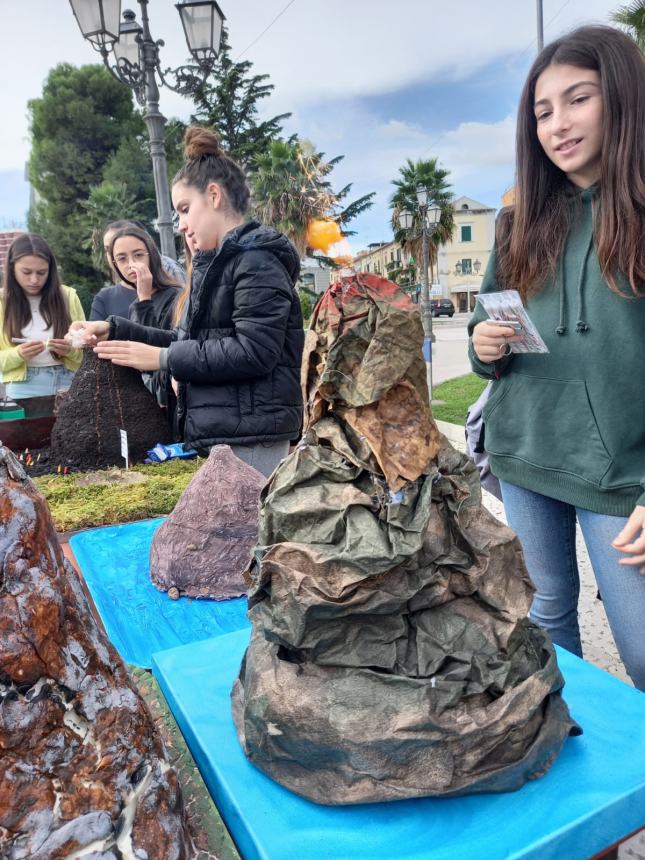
(597, 642)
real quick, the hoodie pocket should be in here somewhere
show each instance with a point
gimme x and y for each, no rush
(548, 423)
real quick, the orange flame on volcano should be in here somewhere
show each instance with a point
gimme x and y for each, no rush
(325, 235)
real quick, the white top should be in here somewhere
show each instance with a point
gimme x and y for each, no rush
(37, 330)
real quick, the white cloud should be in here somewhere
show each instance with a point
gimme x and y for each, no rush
(475, 146)
(317, 52)
(478, 155)
(321, 51)
(396, 129)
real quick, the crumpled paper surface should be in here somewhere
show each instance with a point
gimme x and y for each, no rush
(391, 654)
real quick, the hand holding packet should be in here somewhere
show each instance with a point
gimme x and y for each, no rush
(506, 308)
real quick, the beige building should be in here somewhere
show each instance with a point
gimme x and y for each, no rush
(462, 261)
(380, 258)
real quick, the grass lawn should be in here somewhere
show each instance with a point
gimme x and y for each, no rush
(88, 499)
(458, 395)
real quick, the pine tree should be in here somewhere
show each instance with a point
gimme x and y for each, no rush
(80, 120)
(90, 163)
(228, 102)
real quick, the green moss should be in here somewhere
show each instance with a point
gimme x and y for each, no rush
(458, 395)
(79, 507)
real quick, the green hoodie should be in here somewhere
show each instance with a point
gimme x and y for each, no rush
(570, 424)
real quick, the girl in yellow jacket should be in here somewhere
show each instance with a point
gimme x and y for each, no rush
(35, 312)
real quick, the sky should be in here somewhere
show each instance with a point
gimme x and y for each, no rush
(376, 82)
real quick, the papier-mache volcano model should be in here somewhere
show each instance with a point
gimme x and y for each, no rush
(103, 399)
(205, 545)
(82, 769)
(391, 656)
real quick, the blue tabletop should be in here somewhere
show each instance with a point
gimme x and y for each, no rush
(593, 795)
(138, 618)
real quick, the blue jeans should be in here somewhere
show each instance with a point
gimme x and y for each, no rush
(40, 382)
(547, 531)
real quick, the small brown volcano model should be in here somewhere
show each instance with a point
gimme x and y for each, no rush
(205, 545)
(103, 399)
(81, 764)
(391, 655)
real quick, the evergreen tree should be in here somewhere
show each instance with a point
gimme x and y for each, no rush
(228, 102)
(80, 120)
(90, 164)
(127, 190)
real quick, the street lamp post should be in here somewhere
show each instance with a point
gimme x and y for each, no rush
(428, 218)
(135, 62)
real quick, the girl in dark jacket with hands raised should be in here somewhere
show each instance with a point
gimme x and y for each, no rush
(237, 353)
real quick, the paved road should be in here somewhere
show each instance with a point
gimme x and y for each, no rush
(449, 355)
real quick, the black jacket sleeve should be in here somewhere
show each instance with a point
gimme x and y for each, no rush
(123, 329)
(155, 312)
(263, 295)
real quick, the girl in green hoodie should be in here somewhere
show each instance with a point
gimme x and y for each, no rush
(565, 430)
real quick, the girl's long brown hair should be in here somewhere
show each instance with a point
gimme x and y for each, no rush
(531, 235)
(183, 298)
(53, 305)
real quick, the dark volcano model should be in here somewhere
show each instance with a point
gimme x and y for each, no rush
(103, 399)
(205, 545)
(82, 764)
(391, 654)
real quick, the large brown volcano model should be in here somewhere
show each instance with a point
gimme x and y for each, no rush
(391, 656)
(103, 399)
(81, 763)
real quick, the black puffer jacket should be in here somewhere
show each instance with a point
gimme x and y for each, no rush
(238, 358)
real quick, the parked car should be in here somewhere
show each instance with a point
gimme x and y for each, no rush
(442, 307)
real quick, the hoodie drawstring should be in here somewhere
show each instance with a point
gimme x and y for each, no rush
(561, 329)
(581, 325)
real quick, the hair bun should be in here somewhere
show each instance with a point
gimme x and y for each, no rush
(199, 141)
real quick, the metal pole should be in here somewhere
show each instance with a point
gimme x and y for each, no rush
(426, 307)
(156, 122)
(540, 26)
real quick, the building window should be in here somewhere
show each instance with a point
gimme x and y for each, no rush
(466, 267)
(466, 233)
(398, 255)
(367, 267)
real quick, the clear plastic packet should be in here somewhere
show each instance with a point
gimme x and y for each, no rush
(506, 307)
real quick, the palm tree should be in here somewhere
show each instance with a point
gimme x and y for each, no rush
(428, 174)
(291, 188)
(632, 17)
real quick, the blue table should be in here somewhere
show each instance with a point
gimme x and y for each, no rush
(593, 795)
(138, 618)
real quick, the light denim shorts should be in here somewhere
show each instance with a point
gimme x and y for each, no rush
(40, 382)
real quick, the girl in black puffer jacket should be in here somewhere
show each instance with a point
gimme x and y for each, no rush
(237, 351)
